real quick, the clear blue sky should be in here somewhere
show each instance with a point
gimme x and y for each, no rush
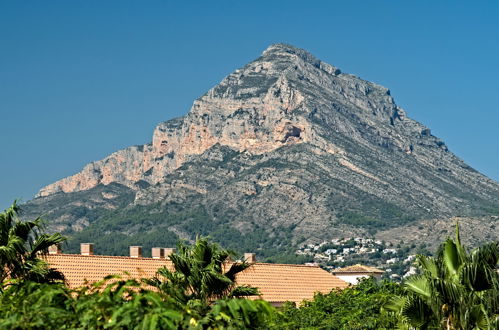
(81, 79)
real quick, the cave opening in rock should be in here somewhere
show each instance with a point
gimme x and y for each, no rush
(292, 131)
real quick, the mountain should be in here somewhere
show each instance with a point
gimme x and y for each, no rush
(285, 150)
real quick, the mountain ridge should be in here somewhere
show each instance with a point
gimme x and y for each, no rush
(287, 142)
(233, 87)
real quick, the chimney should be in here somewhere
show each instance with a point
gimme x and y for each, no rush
(55, 249)
(136, 251)
(250, 258)
(169, 251)
(87, 249)
(158, 253)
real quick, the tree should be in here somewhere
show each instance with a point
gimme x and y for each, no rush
(21, 244)
(116, 303)
(455, 290)
(202, 295)
(355, 307)
(202, 272)
(31, 305)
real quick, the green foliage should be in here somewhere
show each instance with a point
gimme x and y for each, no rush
(200, 274)
(151, 226)
(360, 220)
(114, 303)
(30, 305)
(109, 304)
(117, 230)
(232, 314)
(455, 290)
(375, 215)
(355, 307)
(21, 243)
(200, 294)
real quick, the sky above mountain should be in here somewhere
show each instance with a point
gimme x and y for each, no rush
(81, 79)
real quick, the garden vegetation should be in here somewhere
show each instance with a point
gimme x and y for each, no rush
(456, 289)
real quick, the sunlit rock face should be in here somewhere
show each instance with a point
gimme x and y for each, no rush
(271, 102)
(255, 109)
(288, 141)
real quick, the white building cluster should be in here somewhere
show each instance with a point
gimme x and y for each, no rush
(338, 252)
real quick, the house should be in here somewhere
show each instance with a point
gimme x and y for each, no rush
(277, 283)
(352, 274)
(392, 261)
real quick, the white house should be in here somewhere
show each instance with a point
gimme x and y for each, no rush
(352, 274)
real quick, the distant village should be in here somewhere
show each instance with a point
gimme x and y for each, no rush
(396, 261)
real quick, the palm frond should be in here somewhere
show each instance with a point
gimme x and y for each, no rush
(428, 265)
(243, 291)
(200, 273)
(21, 242)
(451, 257)
(235, 268)
(419, 285)
(44, 241)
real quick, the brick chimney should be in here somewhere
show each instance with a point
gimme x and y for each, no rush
(55, 249)
(250, 258)
(87, 249)
(136, 251)
(158, 253)
(169, 251)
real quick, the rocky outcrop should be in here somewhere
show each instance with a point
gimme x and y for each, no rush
(269, 103)
(287, 143)
(255, 109)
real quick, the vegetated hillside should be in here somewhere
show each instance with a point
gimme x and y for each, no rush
(284, 151)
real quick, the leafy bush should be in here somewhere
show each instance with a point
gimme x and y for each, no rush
(115, 303)
(456, 289)
(355, 307)
(119, 304)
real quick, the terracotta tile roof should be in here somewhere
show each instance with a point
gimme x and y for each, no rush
(357, 269)
(277, 282)
(80, 268)
(281, 282)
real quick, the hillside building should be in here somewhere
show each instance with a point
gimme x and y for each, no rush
(352, 274)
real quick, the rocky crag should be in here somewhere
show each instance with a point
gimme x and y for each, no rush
(286, 150)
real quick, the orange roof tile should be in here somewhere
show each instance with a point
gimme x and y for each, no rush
(277, 282)
(357, 269)
(282, 282)
(78, 269)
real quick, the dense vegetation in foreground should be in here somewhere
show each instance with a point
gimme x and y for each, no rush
(455, 290)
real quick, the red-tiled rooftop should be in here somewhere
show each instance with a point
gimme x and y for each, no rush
(79, 269)
(358, 269)
(277, 282)
(282, 282)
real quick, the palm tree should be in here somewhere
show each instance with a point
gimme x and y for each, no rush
(455, 290)
(202, 272)
(21, 244)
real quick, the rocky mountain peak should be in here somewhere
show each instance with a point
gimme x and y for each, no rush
(287, 149)
(285, 48)
(287, 53)
(285, 97)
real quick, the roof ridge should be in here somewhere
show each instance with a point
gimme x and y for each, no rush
(101, 256)
(352, 268)
(149, 258)
(287, 265)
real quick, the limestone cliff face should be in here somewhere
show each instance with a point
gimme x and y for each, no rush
(255, 109)
(284, 97)
(286, 149)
